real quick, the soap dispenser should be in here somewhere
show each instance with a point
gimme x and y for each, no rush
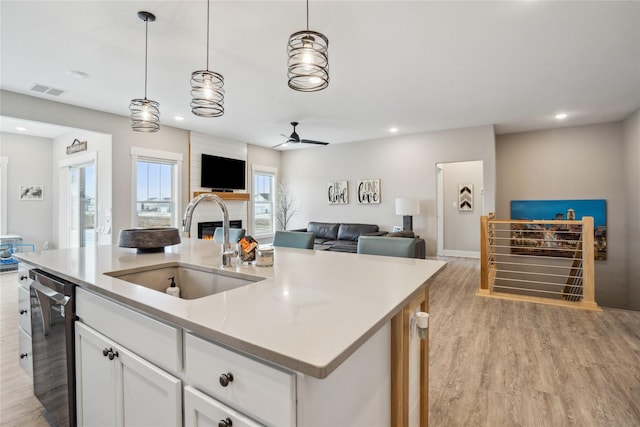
(173, 289)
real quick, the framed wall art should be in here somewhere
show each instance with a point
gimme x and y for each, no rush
(368, 191)
(338, 192)
(465, 197)
(562, 235)
(30, 192)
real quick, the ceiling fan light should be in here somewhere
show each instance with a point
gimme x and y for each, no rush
(207, 93)
(308, 64)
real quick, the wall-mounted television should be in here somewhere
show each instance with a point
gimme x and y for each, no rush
(222, 173)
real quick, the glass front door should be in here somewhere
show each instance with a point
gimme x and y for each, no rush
(82, 209)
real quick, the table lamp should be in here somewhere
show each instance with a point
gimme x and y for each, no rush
(407, 207)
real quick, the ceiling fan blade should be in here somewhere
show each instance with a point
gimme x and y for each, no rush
(310, 141)
(281, 144)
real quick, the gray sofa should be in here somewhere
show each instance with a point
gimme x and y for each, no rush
(343, 237)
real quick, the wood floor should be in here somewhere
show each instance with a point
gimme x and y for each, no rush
(492, 362)
(506, 363)
(18, 406)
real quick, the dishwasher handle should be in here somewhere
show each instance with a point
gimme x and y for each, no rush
(57, 297)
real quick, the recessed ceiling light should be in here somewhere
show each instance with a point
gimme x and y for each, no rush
(561, 116)
(78, 74)
(178, 118)
(20, 128)
(393, 130)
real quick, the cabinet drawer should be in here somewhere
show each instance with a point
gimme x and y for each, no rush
(23, 275)
(264, 392)
(158, 342)
(24, 309)
(201, 410)
(24, 352)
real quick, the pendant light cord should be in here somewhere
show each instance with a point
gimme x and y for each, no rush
(207, 35)
(307, 15)
(146, 48)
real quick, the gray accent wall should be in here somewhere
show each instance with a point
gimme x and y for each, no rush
(29, 164)
(585, 162)
(631, 154)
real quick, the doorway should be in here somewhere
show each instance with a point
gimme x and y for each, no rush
(78, 201)
(460, 204)
(82, 209)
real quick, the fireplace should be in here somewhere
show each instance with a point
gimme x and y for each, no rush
(206, 229)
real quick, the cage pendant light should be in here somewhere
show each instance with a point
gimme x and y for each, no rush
(145, 113)
(207, 92)
(308, 65)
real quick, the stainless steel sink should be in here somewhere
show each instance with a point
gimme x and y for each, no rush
(194, 281)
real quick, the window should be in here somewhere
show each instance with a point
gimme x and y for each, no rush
(264, 184)
(156, 177)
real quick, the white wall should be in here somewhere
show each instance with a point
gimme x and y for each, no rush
(631, 150)
(582, 162)
(29, 163)
(406, 166)
(123, 138)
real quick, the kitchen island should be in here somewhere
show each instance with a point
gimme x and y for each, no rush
(316, 314)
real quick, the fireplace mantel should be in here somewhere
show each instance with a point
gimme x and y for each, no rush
(234, 197)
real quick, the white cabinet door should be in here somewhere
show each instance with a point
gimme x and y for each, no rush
(201, 410)
(95, 379)
(151, 397)
(117, 388)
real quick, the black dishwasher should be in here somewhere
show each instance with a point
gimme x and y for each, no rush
(52, 335)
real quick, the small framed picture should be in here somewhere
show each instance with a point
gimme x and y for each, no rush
(30, 192)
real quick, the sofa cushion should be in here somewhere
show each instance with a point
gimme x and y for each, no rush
(344, 246)
(403, 233)
(353, 243)
(324, 230)
(353, 231)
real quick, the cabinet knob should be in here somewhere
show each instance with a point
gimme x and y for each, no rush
(110, 353)
(225, 423)
(23, 311)
(23, 277)
(225, 379)
(23, 355)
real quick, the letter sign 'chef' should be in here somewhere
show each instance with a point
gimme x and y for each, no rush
(369, 191)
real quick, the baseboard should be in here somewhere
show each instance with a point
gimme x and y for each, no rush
(462, 254)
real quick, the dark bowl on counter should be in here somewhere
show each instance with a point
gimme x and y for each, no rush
(148, 239)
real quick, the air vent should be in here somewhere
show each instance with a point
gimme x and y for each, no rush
(47, 89)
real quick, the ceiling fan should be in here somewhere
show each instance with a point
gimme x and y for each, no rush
(294, 138)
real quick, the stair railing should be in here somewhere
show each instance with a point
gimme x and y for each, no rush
(550, 262)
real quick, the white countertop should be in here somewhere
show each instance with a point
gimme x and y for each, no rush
(312, 311)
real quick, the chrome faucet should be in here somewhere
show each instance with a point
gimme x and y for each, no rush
(227, 251)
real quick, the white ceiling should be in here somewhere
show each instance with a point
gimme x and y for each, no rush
(416, 65)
